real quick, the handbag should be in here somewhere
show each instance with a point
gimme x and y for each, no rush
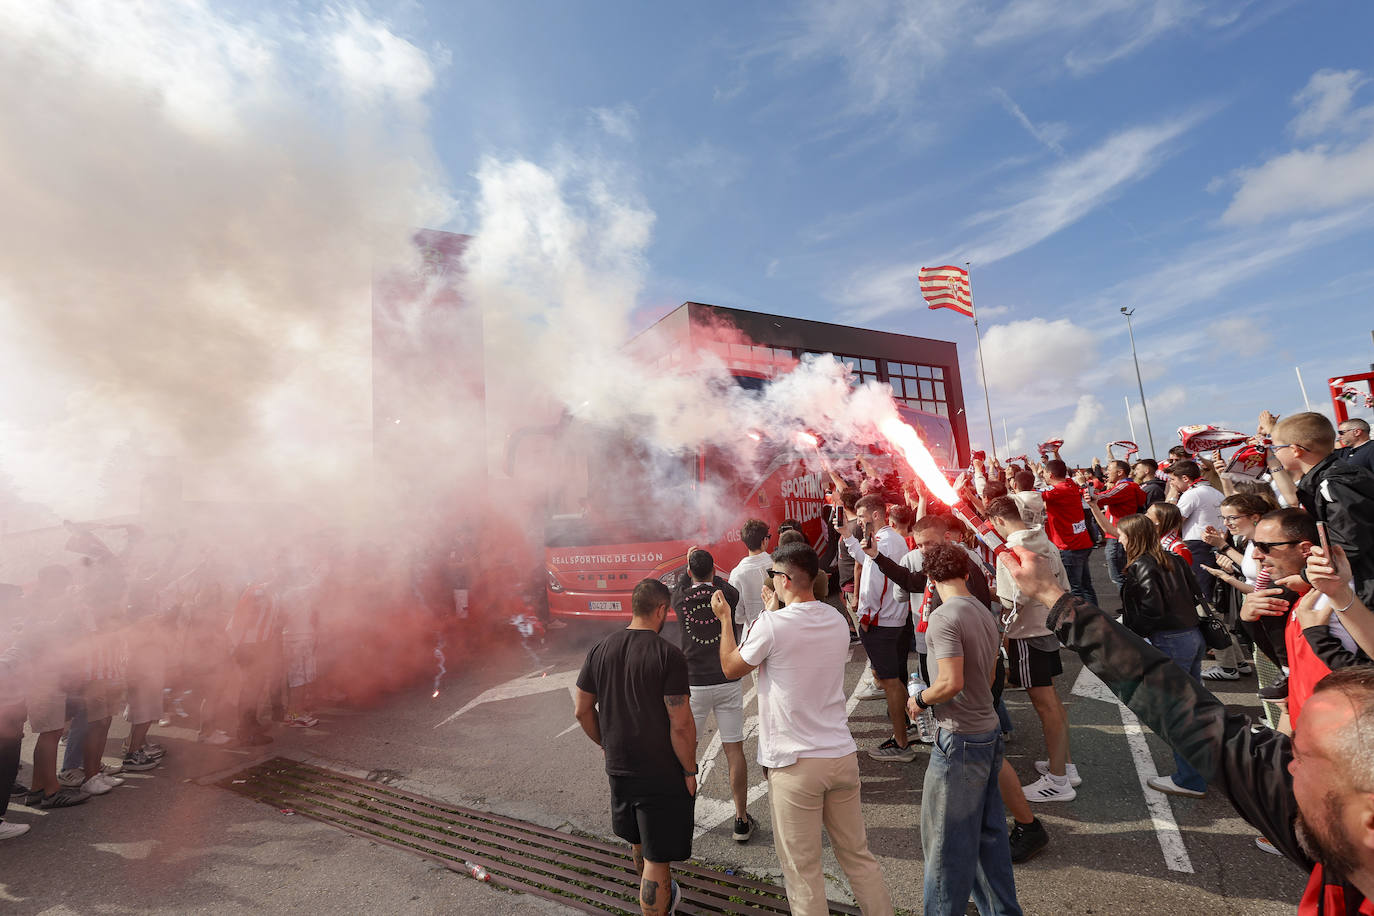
(1214, 631)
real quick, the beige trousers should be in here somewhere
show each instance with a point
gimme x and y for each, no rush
(811, 792)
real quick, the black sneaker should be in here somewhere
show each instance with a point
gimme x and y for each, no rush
(64, 798)
(18, 789)
(1275, 691)
(139, 762)
(1027, 840)
(744, 828)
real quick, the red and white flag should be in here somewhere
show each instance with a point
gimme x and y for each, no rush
(947, 288)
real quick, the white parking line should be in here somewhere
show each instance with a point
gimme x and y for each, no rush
(1157, 803)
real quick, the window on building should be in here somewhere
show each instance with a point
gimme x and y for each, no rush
(921, 387)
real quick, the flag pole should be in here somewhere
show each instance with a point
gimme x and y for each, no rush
(1130, 419)
(987, 401)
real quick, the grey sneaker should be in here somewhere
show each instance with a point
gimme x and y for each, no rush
(889, 750)
(64, 798)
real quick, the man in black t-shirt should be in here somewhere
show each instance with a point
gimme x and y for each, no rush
(632, 700)
(712, 691)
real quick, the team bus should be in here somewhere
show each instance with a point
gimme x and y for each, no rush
(624, 512)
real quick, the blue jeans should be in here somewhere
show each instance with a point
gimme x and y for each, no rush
(1116, 561)
(1003, 716)
(74, 757)
(964, 828)
(1080, 580)
(1186, 648)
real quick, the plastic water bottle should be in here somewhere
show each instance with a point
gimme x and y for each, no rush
(915, 685)
(477, 871)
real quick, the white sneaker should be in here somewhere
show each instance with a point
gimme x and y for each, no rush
(1167, 785)
(114, 782)
(72, 778)
(867, 689)
(96, 785)
(9, 831)
(112, 769)
(1048, 788)
(1070, 770)
(1261, 842)
(218, 738)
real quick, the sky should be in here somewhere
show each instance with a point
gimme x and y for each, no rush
(1210, 165)
(189, 183)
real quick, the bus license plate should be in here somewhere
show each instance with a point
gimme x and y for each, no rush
(603, 605)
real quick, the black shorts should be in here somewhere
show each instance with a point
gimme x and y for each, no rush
(886, 651)
(653, 814)
(1031, 667)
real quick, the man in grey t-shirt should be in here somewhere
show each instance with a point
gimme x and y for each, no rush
(963, 833)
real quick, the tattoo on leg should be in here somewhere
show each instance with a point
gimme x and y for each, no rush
(648, 892)
(639, 863)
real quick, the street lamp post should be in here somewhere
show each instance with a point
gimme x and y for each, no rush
(1139, 384)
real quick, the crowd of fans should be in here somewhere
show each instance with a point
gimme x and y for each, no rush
(130, 626)
(1271, 567)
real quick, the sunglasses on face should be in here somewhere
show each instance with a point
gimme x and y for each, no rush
(1268, 546)
(770, 573)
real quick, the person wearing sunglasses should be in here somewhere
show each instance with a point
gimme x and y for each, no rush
(1331, 490)
(1353, 436)
(805, 745)
(1283, 540)
(1300, 792)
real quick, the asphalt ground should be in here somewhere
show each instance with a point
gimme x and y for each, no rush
(501, 737)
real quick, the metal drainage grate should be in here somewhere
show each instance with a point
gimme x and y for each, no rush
(574, 870)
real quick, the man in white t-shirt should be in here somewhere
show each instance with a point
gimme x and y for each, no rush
(804, 740)
(747, 576)
(883, 628)
(1200, 505)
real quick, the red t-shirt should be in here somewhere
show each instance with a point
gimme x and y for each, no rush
(1305, 669)
(1065, 522)
(1123, 498)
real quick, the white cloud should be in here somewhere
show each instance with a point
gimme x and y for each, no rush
(1138, 29)
(1304, 181)
(1324, 103)
(1049, 134)
(1213, 265)
(887, 47)
(1037, 357)
(1240, 334)
(1081, 433)
(619, 121)
(1320, 177)
(378, 64)
(1073, 188)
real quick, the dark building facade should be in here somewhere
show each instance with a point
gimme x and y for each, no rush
(923, 373)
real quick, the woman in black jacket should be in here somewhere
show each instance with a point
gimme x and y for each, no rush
(1158, 602)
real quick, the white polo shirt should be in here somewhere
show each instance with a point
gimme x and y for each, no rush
(800, 650)
(1200, 506)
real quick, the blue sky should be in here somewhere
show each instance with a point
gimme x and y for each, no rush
(1211, 165)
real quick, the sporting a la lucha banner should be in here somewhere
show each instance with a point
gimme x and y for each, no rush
(1207, 438)
(1053, 445)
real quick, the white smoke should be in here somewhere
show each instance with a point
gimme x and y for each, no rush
(194, 203)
